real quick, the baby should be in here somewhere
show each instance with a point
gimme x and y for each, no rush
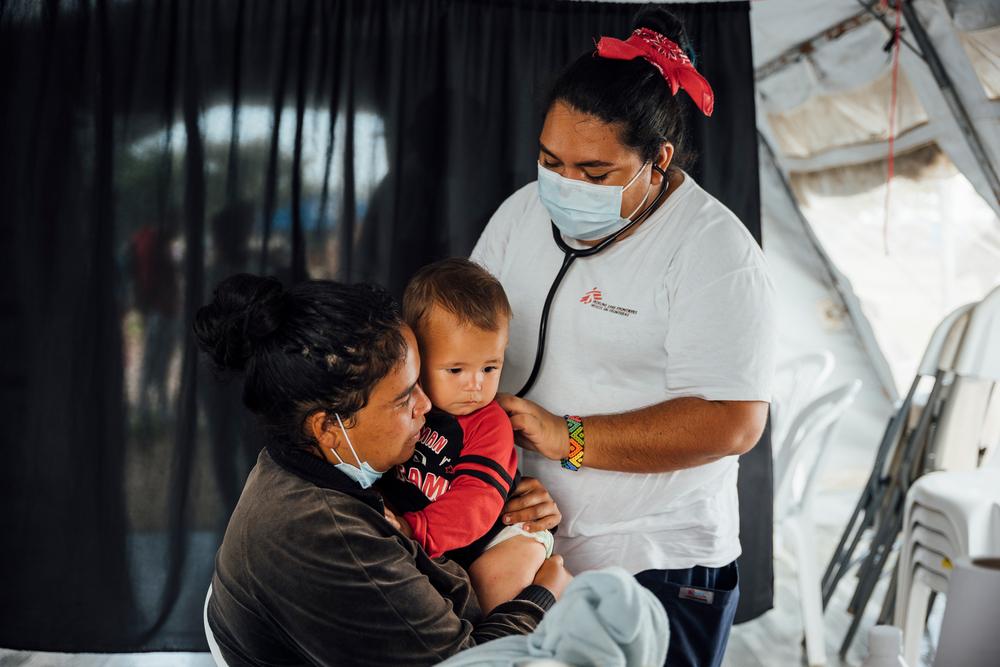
(452, 491)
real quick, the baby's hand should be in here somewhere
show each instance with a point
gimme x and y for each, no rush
(554, 576)
(398, 523)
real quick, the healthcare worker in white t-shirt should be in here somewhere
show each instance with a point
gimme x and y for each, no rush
(656, 366)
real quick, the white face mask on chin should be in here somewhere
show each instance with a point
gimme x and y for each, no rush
(362, 473)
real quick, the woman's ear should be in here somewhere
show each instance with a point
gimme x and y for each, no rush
(323, 430)
(665, 156)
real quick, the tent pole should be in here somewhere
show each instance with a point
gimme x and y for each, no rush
(958, 110)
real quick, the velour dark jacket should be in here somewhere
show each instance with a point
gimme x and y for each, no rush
(311, 572)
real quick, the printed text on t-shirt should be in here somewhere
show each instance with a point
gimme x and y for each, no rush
(595, 299)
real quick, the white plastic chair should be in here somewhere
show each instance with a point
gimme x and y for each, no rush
(213, 645)
(929, 538)
(990, 442)
(900, 458)
(798, 458)
(929, 530)
(887, 474)
(938, 363)
(941, 355)
(971, 502)
(797, 381)
(964, 424)
(934, 561)
(969, 426)
(921, 517)
(797, 463)
(924, 581)
(966, 437)
(963, 507)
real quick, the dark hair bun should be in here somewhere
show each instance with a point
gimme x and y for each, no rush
(663, 22)
(245, 310)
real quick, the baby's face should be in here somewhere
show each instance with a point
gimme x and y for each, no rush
(460, 363)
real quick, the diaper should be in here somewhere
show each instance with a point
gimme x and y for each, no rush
(543, 537)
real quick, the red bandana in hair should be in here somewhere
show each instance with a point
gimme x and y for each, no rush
(666, 56)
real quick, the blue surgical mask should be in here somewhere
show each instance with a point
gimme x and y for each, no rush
(581, 210)
(362, 473)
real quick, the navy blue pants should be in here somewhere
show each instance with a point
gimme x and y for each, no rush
(700, 604)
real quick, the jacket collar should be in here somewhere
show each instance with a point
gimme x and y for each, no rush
(324, 475)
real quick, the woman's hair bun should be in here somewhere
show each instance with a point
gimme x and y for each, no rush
(664, 22)
(245, 310)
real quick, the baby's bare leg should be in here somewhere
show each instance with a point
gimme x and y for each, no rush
(505, 570)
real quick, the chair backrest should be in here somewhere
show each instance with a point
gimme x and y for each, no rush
(944, 341)
(963, 426)
(936, 364)
(213, 645)
(979, 356)
(800, 455)
(967, 428)
(990, 440)
(796, 382)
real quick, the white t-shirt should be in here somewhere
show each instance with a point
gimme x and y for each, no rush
(682, 307)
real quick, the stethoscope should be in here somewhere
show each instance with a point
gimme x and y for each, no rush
(569, 255)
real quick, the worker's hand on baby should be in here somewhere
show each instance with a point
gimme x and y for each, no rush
(535, 428)
(531, 504)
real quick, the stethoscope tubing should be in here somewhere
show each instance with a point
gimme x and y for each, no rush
(569, 255)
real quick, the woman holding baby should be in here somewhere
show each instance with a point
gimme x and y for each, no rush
(313, 568)
(655, 378)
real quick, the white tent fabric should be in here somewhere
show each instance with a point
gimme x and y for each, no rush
(824, 109)
(845, 119)
(811, 316)
(983, 49)
(778, 25)
(943, 241)
(842, 66)
(846, 81)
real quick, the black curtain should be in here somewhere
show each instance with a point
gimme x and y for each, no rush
(148, 149)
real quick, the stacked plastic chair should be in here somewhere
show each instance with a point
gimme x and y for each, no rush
(899, 460)
(798, 459)
(948, 514)
(955, 512)
(933, 445)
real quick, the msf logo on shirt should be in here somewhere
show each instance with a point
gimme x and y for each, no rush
(595, 299)
(592, 296)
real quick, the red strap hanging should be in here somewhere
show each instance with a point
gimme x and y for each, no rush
(892, 116)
